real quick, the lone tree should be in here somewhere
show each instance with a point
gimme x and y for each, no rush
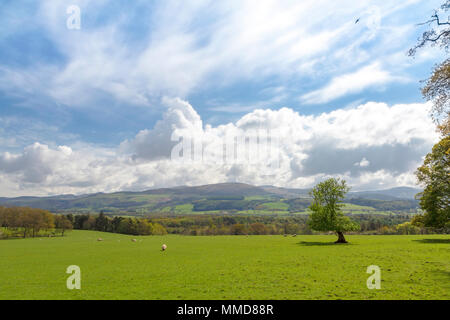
(326, 210)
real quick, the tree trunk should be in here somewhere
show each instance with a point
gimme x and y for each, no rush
(341, 238)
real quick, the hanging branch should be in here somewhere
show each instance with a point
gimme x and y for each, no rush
(437, 35)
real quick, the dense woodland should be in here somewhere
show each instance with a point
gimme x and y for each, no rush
(276, 224)
(101, 222)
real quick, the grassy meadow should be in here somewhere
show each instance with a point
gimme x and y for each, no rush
(225, 267)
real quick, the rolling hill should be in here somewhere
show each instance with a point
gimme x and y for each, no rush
(214, 197)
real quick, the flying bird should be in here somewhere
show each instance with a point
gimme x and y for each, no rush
(357, 20)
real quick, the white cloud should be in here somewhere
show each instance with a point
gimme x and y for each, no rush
(363, 163)
(311, 148)
(182, 51)
(34, 165)
(153, 144)
(369, 76)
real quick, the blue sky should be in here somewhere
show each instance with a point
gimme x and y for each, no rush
(97, 88)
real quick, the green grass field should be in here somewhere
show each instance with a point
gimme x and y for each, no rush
(225, 267)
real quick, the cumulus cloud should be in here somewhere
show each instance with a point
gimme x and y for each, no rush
(33, 164)
(373, 145)
(180, 118)
(363, 163)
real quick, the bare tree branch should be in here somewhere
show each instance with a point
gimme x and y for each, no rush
(436, 35)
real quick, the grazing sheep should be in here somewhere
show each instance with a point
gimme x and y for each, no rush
(164, 247)
(294, 235)
(134, 240)
(99, 239)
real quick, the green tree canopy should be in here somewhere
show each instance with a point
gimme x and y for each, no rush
(326, 208)
(434, 174)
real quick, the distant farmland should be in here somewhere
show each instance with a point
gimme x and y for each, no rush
(235, 198)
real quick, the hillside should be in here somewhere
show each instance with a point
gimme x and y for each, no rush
(223, 197)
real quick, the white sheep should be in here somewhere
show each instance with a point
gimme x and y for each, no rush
(164, 247)
(99, 239)
(134, 240)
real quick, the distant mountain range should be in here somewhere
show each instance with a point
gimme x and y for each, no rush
(388, 194)
(160, 199)
(385, 194)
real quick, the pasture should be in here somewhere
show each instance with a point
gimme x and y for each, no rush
(225, 267)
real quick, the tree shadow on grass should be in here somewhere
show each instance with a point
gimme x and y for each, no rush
(441, 276)
(308, 243)
(433, 241)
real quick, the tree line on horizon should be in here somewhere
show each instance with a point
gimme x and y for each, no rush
(22, 222)
(31, 222)
(237, 224)
(117, 224)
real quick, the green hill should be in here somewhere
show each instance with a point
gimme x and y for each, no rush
(235, 197)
